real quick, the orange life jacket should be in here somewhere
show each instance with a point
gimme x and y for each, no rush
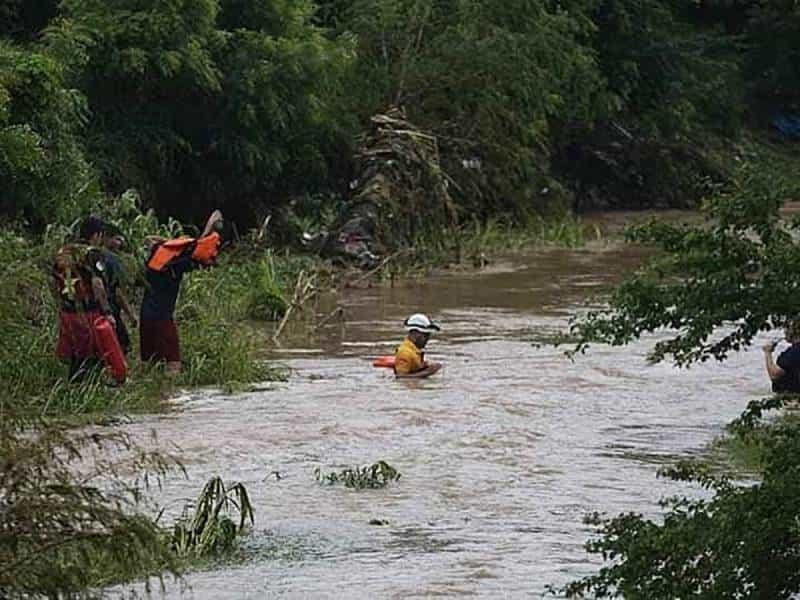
(207, 248)
(203, 250)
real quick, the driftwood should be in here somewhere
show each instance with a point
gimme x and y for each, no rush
(304, 290)
(337, 312)
(378, 268)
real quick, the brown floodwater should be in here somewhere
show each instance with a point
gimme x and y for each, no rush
(501, 454)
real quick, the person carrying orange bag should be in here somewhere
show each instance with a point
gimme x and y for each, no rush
(81, 290)
(169, 261)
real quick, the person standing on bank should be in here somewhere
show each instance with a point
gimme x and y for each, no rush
(79, 285)
(116, 279)
(158, 334)
(785, 372)
(409, 360)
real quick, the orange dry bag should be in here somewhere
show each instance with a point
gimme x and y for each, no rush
(110, 350)
(384, 361)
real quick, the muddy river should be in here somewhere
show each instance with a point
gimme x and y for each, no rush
(501, 454)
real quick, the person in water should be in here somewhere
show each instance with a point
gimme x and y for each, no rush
(158, 333)
(785, 371)
(409, 360)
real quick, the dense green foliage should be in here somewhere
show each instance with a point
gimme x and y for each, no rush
(715, 285)
(251, 105)
(44, 176)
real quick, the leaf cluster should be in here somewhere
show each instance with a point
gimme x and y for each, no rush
(373, 476)
(715, 286)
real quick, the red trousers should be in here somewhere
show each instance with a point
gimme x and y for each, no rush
(159, 341)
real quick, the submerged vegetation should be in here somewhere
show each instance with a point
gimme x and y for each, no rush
(209, 529)
(373, 476)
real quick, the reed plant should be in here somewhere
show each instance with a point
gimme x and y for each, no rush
(211, 525)
(266, 297)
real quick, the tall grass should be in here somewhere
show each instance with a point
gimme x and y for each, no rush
(212, 311)
(474, 242)
(266, 300)
(218, 345)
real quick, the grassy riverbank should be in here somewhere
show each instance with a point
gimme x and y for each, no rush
(219, 348)
(217, 311)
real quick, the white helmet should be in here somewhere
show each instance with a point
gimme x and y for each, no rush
(420, 322)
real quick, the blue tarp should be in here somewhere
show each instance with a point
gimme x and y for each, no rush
(788, 125)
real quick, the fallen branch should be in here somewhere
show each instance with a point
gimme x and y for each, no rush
(304, 290)
(382, 264)
(338, 312)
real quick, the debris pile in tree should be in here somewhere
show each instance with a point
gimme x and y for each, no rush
(400, 191)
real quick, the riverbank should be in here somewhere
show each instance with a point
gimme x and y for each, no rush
(219, 313)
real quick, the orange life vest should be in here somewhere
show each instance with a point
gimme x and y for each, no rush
(203, 250)
(207, 248)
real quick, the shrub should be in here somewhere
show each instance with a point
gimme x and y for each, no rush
(62, 529)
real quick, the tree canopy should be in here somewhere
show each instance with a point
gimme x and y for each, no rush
(249, 104)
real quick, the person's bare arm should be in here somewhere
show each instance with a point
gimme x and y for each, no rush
(212, 221)
(101, 296)
(774, 371)
(427, 371)
(126, 307)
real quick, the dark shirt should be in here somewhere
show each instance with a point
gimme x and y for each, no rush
(115, 274)
(789, 362)
(161, 295)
